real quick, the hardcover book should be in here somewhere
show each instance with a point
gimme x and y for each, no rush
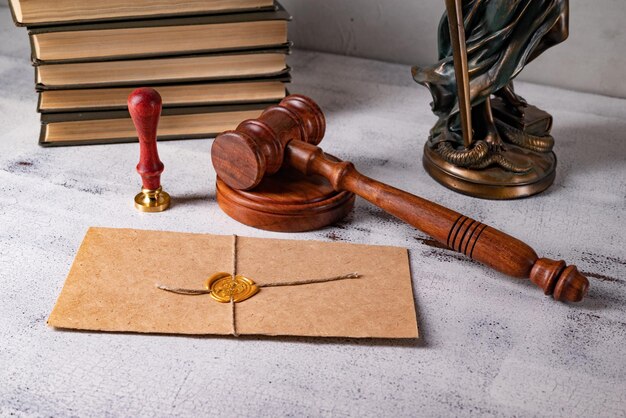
(159, 37)
(49, 12)
(268, 63)
(181, 95)
(88, 128)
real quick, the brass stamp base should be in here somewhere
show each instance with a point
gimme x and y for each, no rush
(152, 200)
(494, 182)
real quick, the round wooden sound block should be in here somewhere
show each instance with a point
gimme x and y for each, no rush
(288, 201)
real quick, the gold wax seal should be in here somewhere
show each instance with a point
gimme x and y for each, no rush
(223, 287)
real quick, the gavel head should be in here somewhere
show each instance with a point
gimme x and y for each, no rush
(242, 157)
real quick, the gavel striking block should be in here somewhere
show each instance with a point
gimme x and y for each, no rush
(287, 135)
(144, 105)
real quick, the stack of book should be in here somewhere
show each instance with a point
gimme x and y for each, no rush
(215, 63)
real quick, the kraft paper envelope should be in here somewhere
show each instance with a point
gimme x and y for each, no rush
(112, 286)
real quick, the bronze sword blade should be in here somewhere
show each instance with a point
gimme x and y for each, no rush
(461, 69)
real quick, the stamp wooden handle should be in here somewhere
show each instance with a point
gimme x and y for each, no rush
(476, 240)
(144, 105)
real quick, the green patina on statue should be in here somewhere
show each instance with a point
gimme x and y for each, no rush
(502, 36)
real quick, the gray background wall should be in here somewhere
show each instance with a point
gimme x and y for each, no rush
(593, 59)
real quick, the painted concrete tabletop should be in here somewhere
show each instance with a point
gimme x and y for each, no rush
(489, 345)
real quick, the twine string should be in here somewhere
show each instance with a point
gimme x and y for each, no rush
(181, 291)
(234, 283)
(196, 292)
(310, 281)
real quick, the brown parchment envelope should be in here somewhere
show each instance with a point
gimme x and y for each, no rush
(112, 286)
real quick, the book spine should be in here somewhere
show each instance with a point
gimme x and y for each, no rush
(39, 103)
(14, 14)
(33, 54)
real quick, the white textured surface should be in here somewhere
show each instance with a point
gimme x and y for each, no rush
(490, 345)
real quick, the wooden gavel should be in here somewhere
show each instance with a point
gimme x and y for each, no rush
(287, 134)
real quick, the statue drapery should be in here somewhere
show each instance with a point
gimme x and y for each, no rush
(502, 36)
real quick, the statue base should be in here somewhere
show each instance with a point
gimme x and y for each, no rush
(495, 182)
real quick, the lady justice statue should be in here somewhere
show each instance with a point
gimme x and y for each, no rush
(489, 142)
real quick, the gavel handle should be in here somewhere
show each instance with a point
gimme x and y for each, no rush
(476, 240)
